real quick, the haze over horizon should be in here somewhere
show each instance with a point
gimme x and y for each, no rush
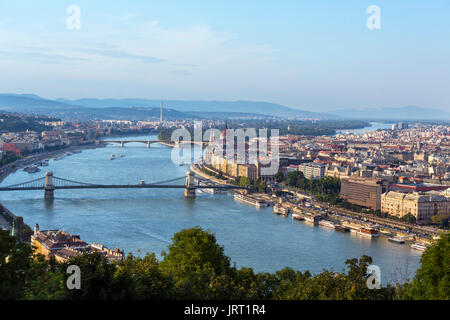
(311, 56)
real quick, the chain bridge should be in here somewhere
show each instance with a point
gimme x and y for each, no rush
(49, 183)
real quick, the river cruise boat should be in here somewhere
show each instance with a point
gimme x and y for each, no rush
(326, 224)
(254, 202)
(341, 228)
(313, 218)
(298, 216)
(396, 240)
(369, 232)
(419, 246)
(280, 210)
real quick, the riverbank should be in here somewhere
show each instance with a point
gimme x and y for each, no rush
(346, 218)
(12, 167)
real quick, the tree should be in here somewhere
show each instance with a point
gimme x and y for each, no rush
(279, 176)
(14, 263)
(432, 280)
(193, 260)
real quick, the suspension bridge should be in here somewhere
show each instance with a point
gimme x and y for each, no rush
(148, 143)
(49, 183)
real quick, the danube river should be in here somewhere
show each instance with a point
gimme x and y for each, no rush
(140, 221)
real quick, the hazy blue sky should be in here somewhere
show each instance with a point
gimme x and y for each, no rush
(316, 55)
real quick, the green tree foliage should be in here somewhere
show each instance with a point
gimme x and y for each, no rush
(326, 189)
(432, 280)
(195, 267)
(15, 259)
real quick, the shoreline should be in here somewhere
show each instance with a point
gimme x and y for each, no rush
(12, 167)
(347, 220)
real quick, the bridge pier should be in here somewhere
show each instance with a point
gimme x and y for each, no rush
(49, 188)
(148, 144)
(122, 144)
(189, 192)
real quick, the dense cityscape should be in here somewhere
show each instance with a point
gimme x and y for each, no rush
(229, 160)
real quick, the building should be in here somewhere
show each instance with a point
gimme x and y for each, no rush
(48, 242)
(63, 246)
(312, 170)
(422, 206)
(248, 170)
(363, 191)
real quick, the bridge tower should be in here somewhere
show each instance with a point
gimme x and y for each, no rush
(189, 192)
(49, 188)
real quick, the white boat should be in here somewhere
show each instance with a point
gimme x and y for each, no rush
(112, 157)
(419, 246)
(312, 218)
(327, 224)
(396, 240)
(248, 200)
(280, 210)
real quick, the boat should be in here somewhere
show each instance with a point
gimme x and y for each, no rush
(341, 228)
(298, 216)
(44, 163)
(326, 224)
(312, 218)
(280, 210)
(396, 240)
(368, 232)
(248, 200)
(32, 169)
(112, 157)
(419, 246)
(121, 155)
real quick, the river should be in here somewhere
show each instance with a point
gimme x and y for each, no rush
(373, 127)
(140, 221)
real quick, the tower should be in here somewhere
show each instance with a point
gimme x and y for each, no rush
(49, 188)
(189, 192)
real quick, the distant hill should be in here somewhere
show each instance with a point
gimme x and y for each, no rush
(249, 107)
(29, 103)
(402, 113)
(36, 105)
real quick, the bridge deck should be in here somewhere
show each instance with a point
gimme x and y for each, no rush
(125, 186)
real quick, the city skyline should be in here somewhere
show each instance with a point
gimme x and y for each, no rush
(317, 57)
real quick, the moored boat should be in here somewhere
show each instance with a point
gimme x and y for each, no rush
(341, 228)
(419, 246)
(312, 218)
(298, 216)
(280, 210)
(368, 232)
(396, 240)
(326, 224)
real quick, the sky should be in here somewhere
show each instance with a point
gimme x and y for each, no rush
(313, 55)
